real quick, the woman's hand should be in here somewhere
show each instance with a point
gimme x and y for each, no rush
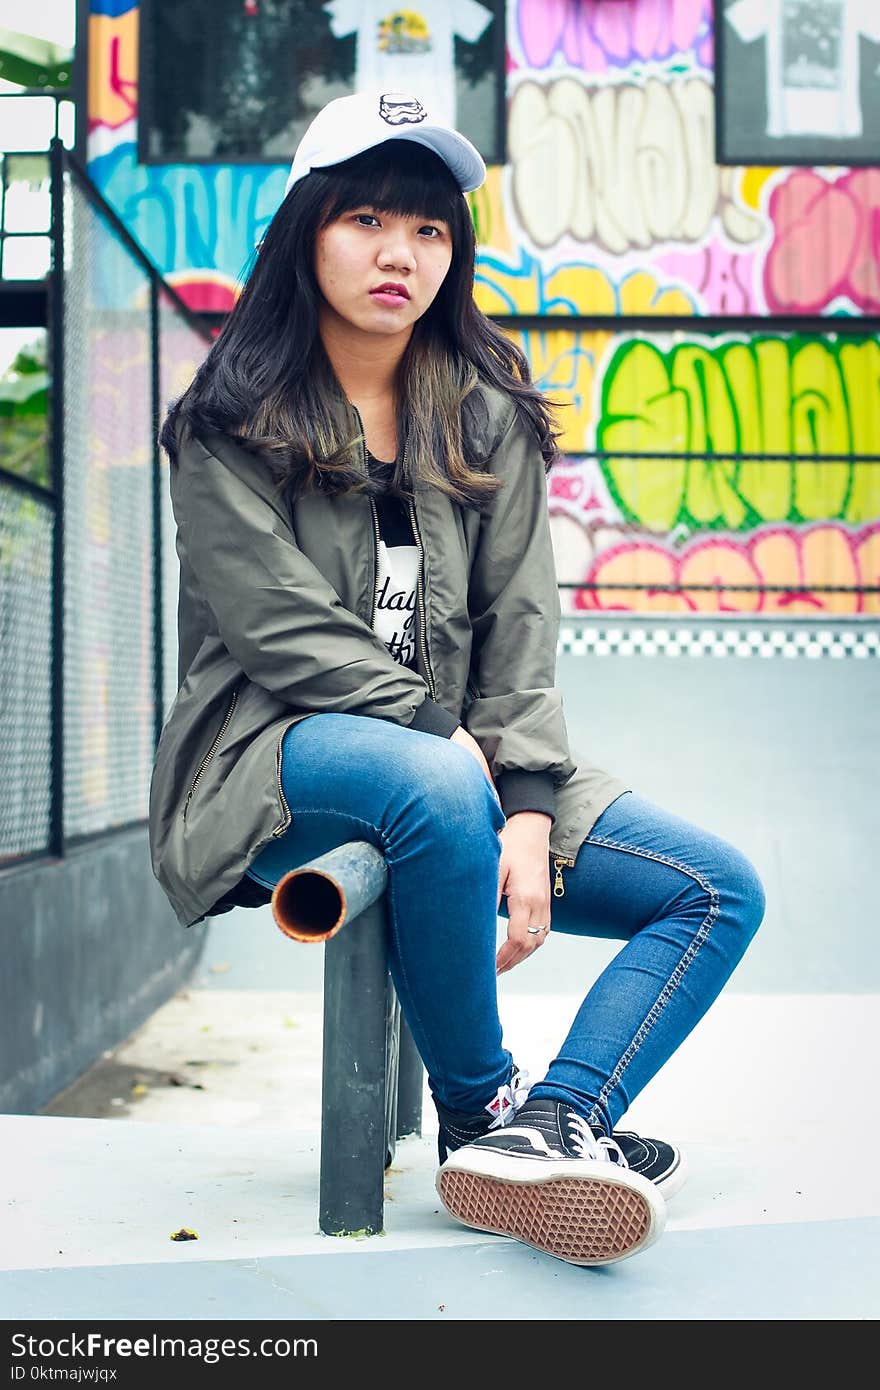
(466, 740)
(524, 876)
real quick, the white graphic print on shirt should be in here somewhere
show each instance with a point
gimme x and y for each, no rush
(812, 70)
(396, 581)
(409, 50)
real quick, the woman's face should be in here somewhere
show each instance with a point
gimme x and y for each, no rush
(378, 271)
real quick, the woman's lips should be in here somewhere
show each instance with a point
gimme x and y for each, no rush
(390, 297)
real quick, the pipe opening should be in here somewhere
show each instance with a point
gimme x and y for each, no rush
(308, 906)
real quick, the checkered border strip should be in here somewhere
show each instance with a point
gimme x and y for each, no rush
(675, 640)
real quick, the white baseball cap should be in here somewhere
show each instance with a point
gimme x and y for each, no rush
(350, 125)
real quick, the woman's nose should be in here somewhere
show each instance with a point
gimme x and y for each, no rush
(397, 254)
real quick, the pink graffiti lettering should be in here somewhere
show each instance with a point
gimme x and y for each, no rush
(827, 242)
(795, 563)
(723, 279)
(121, 87)
(597, 34)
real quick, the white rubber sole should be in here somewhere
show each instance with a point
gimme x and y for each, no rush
(583, 1211)
(674, 1181)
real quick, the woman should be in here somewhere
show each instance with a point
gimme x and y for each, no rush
(368, 625)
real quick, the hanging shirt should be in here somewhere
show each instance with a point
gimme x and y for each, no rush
(409, 49)
(812, 70)
(397, 571)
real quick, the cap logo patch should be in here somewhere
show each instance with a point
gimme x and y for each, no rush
(397, 109)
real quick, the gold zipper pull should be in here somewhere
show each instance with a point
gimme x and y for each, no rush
(558, 886)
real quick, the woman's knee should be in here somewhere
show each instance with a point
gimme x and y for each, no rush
(449, 776)
(740, 889)
(390, 770)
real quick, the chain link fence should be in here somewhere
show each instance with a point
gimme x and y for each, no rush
(88, 569)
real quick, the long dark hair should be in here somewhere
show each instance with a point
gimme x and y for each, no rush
(267, 381)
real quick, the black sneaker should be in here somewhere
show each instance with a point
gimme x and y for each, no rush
(663, 1163)
(548, 1181)
(456, 1129)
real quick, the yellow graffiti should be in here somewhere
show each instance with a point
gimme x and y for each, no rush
(113, 67)
(564, 365)
(752, 182)
(503, 288)
(640, 294)
(487, 210)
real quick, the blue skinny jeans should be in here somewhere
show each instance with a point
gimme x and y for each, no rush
(685, 904)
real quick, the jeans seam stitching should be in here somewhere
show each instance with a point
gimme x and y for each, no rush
(677, 974)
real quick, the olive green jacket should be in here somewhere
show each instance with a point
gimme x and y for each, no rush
(275, 624)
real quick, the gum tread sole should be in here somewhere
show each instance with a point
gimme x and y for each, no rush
(592, 1222)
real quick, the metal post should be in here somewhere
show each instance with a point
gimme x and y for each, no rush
(371, 1090)
(410, 1084)
(392, 1067)
(353, 1094)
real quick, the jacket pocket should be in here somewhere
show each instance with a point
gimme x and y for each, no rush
(210, 753)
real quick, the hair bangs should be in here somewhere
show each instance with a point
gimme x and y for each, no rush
(400, 177)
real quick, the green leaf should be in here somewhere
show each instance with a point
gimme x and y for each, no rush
(25, 73)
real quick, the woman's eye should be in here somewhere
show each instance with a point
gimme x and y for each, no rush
(365, 217)
(433, 232)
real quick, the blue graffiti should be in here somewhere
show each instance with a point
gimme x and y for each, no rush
(191, 218)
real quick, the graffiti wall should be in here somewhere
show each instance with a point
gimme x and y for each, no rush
(704, 469)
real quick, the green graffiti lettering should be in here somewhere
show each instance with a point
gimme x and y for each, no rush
(820, 425)
(860, 369)
(641, 412)
(797, 395)
(759, 373)
(710, 499)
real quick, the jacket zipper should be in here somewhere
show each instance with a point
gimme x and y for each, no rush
(376, 540)
(558, 886)
(210, 753)
(286, 818)
(420, 600)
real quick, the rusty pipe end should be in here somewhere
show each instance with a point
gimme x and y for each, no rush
(308, 905)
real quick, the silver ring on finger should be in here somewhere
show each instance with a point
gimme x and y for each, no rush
(536, 931)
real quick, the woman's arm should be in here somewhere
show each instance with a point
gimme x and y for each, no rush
(517, 717)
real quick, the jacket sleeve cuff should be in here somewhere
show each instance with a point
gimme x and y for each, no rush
(526, 791)
(431, 718)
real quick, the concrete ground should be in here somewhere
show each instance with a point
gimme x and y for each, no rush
(208, 1117)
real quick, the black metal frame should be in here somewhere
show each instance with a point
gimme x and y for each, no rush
(55, 359)
(857, 324)
(147, 66)
(80, 83)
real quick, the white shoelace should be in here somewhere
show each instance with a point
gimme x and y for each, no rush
(588, 1146)
(508, 1099)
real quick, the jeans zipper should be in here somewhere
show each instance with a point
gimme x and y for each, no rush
(210, 753)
